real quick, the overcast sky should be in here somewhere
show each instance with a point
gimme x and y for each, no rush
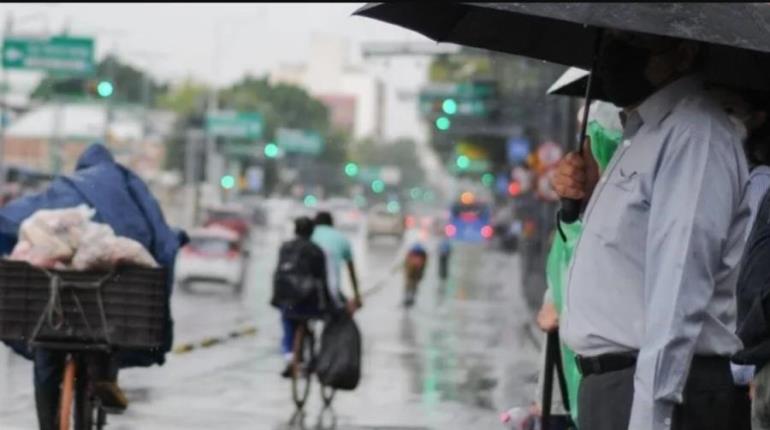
(175, 40)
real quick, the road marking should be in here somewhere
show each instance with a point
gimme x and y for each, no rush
(212, 341)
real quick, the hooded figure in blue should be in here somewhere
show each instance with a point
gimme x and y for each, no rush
(123, 201)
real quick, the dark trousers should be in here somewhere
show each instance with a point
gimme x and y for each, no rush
(604, 401)
(741, 413)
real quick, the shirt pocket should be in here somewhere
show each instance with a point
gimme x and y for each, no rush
(619, 216)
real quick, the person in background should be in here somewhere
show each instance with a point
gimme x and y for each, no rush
(414, 269)
(444, 254)
(311, 263)
(604, 133)
(338, 252)
(748, 112)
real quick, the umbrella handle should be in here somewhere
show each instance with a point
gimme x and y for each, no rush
(570, 208)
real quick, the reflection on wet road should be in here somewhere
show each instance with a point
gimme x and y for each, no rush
(461, 355)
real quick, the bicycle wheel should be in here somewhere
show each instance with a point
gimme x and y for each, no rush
(302, 372)
(327, 394)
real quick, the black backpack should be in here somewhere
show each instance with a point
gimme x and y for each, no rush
(753, 291)
(294, 282)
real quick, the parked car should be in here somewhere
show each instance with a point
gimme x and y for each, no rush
(214, 254)
(383, 222)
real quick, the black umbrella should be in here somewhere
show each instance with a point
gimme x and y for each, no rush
(737, 34)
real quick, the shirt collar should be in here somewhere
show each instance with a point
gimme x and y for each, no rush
(657, 106)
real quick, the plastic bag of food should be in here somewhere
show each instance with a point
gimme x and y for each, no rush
(92, 252)
(128, 251)
(100, 249)
(52, 235)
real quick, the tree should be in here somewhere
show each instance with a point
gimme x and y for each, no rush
(185, 99)
(281, 105)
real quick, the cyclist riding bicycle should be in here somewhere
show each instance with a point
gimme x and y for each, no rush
(300, 261)
(124, 202)
(414, 269)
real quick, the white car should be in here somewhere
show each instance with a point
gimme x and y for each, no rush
(384, 222)
(214, 254)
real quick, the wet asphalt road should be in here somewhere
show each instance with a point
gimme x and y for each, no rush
(465, 352)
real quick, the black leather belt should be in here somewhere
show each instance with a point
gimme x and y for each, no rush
(605, 363)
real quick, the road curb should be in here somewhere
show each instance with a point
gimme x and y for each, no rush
(208, 342)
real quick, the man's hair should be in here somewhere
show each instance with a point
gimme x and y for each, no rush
(324, 218)
(303, 227)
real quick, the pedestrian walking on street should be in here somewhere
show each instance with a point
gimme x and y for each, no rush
(649, 307)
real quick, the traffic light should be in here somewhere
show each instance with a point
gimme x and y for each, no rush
(488, 179)
(351, 169)
(449, 106)
(463, 162)
(310, 201)
(104, 89)
(227, 182)
(271, 150)
(443, 123)
(378, 186)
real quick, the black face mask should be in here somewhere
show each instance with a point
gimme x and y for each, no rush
(621, 72)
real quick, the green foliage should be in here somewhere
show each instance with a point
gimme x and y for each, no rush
(185, 99)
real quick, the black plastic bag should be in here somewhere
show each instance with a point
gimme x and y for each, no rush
(339, 362)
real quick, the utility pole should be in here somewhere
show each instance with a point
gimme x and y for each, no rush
(4, 108)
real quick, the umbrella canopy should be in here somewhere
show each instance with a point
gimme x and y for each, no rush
(564, 33)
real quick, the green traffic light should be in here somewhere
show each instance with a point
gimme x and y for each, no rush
(443, 123)
(393, 207)
(351, 169)
(378, 186)
(271, 150)
(449, 106)
(488, 179)
(104, 89)
(227, 182)
(463, 162)
(415, 193)
(310, 201)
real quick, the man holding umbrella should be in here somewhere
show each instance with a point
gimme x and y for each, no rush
(663, 235)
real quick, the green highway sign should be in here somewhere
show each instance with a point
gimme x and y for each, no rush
(243, 125)
(57, 54)
(299, 141)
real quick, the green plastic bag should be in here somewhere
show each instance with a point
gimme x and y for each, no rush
(604, 142)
